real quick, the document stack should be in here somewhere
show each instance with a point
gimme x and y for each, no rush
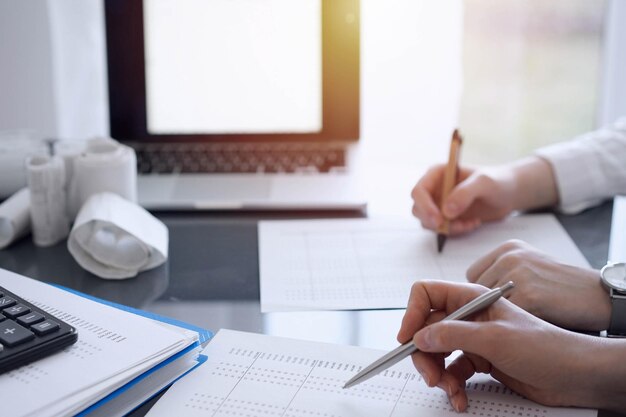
(122, 357)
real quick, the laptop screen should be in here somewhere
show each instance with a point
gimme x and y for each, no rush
(241, 70)
(233, 66)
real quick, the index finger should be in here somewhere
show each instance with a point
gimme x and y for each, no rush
(425, 195)
(478, 268)
(433, 295)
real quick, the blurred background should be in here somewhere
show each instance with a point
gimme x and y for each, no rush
(531, 74)
(514, 75)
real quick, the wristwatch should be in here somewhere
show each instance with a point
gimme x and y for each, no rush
(614, 277)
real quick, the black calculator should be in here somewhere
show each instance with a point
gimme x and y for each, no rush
(27, 333)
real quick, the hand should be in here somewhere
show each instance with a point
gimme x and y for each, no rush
(565, 295)
(532, 357)
(478, 197)
(483, 195)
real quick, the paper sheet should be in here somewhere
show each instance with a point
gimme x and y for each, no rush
(371, 264)
(617, 246)
(264, 376)
(129, 398)
(111, 349)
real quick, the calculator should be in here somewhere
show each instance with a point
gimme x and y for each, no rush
(28, 333)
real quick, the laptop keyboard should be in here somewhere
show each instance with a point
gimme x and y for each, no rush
(237, 158)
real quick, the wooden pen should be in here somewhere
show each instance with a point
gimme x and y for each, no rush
(450, 179)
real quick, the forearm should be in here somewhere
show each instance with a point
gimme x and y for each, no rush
(534, 184)
(604, 369)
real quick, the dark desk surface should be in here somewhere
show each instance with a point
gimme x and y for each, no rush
(212, 278)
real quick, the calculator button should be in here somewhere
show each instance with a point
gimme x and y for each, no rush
(45, 327)
(6, 302)
(16, 311)
(29, 319)
(12, 334)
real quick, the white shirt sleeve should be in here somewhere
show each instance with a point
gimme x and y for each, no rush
(590, 168)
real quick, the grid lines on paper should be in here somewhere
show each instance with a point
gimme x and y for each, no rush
(266, 384)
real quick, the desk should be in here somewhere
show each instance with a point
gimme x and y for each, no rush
(212, 279)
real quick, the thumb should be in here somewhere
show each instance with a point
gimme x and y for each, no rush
(462, 196)
(448, 336)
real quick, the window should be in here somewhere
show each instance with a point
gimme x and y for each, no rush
(531, 74)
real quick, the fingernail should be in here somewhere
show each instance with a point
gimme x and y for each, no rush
(424, 340)
(434, 220)
(455, 404)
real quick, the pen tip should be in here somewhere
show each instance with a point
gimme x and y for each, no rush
(441, 240)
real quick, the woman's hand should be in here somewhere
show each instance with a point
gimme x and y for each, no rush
(565, 295)
(483, 195)
(532, 357)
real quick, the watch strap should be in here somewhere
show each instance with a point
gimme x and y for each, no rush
(617, 325)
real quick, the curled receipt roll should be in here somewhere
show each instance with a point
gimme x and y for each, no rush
(105, 165)
(116, 239)
(14, 217)
(48, 202)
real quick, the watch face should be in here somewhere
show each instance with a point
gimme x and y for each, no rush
(614, 275)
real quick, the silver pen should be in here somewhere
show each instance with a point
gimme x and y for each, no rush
(401, 352)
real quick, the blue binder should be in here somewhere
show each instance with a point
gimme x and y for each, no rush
(203, 337)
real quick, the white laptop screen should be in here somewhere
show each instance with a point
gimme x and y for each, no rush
(233, 66)
(239, 71)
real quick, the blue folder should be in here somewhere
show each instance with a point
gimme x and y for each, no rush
(203, 337)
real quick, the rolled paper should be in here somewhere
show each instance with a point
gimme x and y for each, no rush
(48, 202)
(14, 217)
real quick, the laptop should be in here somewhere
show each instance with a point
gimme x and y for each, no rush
(237, 104)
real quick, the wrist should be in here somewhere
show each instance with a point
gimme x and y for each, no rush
(587, 290)
(534, 184)
(606, 373)
(602, 309)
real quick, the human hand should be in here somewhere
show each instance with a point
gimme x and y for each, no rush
(565, 295)
(483, 195)
(479, 196)
(532, 357)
